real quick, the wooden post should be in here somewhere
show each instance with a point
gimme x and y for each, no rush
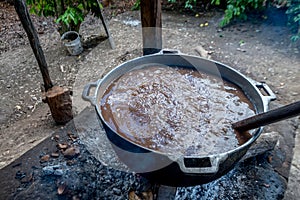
(58, 99)
(100, 15)
(151, 24)
(34, 41)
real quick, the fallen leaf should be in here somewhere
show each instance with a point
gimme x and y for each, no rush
(147, 195)
(61, 188)
(62, 146)
(71, 152)
(133, 196)
(45, 158)
(270, 159)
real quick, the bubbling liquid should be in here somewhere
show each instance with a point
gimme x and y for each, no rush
(175, 110)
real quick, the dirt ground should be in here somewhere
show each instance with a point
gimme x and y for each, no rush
(24, 119)
(260, 48)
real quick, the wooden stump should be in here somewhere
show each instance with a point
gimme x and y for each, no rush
(60, 104)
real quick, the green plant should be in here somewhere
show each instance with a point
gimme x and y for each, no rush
(40, 7)
(188, 3)
(234, 8)
(70, 13)
(238, 9)
(136, 5)
(293, 13)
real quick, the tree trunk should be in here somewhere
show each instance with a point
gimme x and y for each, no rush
(151, 23)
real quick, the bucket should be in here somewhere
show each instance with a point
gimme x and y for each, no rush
(71, 40)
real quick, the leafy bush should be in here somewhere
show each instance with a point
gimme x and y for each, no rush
(188, 3)
(238, 8)
(70, 13)
(233, 8)
(136, 5)
(293, 13)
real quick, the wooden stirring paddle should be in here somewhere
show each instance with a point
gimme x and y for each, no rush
(272, 116)
(242, 127)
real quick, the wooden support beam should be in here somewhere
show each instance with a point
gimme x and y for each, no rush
(151, 24)
(24, 16)
(111, 41)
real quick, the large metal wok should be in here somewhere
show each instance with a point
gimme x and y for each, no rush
(174, 170)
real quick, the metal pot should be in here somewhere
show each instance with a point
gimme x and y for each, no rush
(175, 170)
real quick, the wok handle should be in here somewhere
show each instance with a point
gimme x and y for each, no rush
(268, 93)
(86, 92)
(201, 165)
(169, 51)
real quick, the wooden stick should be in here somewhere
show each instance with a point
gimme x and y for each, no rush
(269, 117)
(24, 16)
(151, 23)
(111, 41)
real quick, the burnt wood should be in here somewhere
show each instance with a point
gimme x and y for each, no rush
(151, 26)
(272, 116)
(25, 19)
